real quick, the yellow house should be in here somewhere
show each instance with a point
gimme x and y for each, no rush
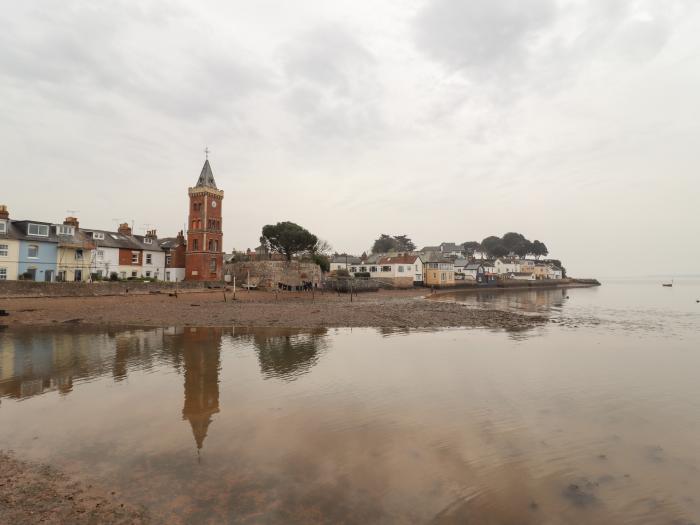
(540, 270)
(439, 273)
(75, 250)
(9, 248)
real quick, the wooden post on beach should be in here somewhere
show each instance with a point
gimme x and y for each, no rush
(234, 286)
(247, 280)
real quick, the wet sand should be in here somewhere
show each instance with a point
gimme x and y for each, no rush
(32, 493)
(389, 309)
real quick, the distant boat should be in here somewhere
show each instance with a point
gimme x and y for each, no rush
(668, 285)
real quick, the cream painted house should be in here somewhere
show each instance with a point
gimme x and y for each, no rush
(9, 248)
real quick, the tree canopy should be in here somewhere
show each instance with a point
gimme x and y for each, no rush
(512, 242)
(397, 243)
(288, 239)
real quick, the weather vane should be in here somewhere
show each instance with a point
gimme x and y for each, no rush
(206, 152)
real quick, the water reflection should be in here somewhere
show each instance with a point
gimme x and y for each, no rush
(37, 362)
(535, 301)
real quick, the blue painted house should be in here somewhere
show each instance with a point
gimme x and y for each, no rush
(38, 250)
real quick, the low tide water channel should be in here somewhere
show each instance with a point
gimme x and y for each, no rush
(593, 417)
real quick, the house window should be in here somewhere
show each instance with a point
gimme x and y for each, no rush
(134, 258)
(98, 235)
(134, 274)
(148, 274)
(78, 255)
(167, 276)
(400, 269)
(373, 269)
(148, 258)
(168, 260)
(100, 255)
(212, 264)
(3, 227)
(353, 269)
(211, 246)
(363, 269)
(216, 246)
(65, 230)
(33, 251)
(3, 274)
(40, 230)
(147, 240)
(4, 250)
(386, 268)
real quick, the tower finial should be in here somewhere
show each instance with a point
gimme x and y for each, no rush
(206, 152)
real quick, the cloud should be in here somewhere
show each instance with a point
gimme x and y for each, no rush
(156, 56)
(514, 47)
(332, 84)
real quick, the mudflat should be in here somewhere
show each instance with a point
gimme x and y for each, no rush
(391, 308)
(33, 493)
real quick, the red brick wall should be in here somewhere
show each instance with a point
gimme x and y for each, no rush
(204, 226)
(125, 257)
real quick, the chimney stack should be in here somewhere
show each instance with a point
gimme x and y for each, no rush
(4, 214)
(71, 221)
(124, 228)
(181, 238)
(151, 234)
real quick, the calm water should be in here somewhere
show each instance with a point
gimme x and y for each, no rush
(592, 418)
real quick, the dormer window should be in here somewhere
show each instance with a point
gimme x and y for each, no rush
(65, 230)
(39, 230)
(147, 240)
(98, 236)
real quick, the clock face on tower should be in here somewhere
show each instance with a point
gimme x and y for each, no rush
(213, 204)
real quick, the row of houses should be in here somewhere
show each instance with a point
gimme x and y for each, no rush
(44, 251)
(404, 270)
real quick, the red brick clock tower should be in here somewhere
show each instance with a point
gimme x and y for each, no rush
(204, 257)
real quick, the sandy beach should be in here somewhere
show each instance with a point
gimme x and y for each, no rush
(395, 308)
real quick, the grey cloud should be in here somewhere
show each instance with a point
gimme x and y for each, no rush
(483, 36)
(513, 46)
(78, 52)
(333, 88)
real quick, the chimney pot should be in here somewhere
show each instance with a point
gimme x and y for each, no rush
(4, 214)
(124, 229)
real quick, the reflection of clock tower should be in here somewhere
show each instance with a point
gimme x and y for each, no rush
(204, 256)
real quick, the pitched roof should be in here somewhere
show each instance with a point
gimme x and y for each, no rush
(400, 259)
(472, 266)
(461, 262)
(206, 177)
(349, 259)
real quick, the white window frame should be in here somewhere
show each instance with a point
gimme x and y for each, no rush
(149, 258)
(65, 229)
(4, 250)
(134, 254)
(39, 228)
(100, 255)
(3, 227)
(147, 240)
(29, 247)
(98, 236)
(3, 274)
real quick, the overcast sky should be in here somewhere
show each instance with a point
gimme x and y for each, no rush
(573, 122)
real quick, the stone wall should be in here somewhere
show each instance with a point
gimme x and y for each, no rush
(267, 275)
(40, 289)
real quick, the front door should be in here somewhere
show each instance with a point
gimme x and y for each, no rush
(78, 275)
(48, 276)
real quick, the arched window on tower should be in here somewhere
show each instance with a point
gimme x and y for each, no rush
(195, 244)
(216, 246)
(211, 246)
